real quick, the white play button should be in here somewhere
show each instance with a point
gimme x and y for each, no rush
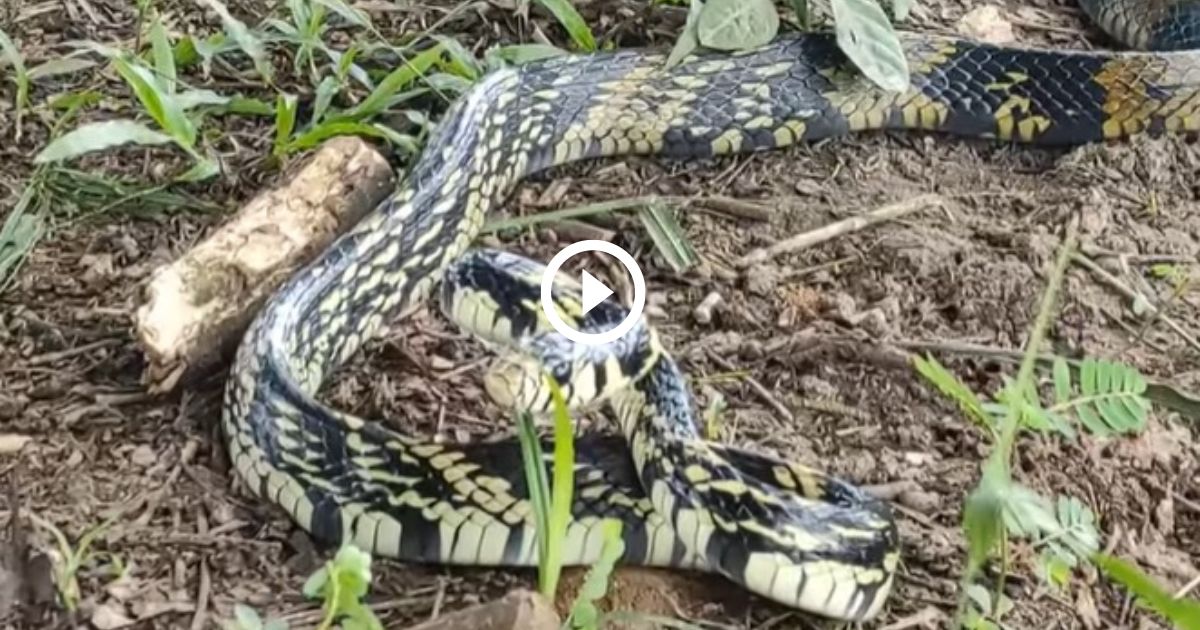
(594, 291)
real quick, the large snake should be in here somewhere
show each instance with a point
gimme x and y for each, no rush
(783, 531)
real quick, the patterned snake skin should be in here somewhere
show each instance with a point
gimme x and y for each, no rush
(784, 531)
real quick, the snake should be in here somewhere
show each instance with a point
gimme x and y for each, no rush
(784, 531)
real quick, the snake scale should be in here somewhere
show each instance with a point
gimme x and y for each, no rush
(782, 530)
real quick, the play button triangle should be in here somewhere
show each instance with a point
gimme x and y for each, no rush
(594, 291)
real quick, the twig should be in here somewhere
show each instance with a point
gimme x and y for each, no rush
(1187, 588)
(51, 357)
(1130, 294)
(840, 228)
(736, 208)
(202, 592)
(758, 388)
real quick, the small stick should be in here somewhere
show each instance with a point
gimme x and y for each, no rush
(840, 228)
(1187, 588)
(1131, 294)
(763, 392)
(734, 207)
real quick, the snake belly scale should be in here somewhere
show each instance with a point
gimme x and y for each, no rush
(782, 530)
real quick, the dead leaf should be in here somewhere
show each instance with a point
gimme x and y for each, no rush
(110, 616)
(1085, 605)
(986, 24)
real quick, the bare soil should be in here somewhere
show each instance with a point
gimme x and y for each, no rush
(824, 331)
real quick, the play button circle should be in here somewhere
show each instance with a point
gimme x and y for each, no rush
(594, 292)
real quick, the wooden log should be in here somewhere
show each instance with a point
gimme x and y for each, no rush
(197, 308)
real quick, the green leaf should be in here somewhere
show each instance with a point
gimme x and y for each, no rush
(595, 584)
(324, 131)
(1111, 399)
(326, 90)
(983, 514)
(99, 136)
(462, 62)
(190, 99)
(868, 39)
(245, 38)
(395, 81)
(571, 21)
(737, 24)
(285, 119)
(22, 229)
(203, 169)
(563, 485)
(56, 67)
(247, 618)
(353, 15)
(10, 52)
(315, 584)
(520, 54)
(668, 236)
(160, 106)
(803, 15)
(1027, 513)
(539, 492)
(955, 390)
(689, 39)
(164, 56)
(1184, 613)
(249, 106)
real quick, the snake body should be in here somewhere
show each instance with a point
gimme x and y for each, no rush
(784, 531)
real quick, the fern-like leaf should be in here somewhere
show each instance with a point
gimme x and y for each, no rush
(1107, 398)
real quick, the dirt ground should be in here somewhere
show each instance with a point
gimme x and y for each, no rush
(820, 330)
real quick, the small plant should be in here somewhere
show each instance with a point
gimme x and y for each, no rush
(71, 559)
(341, 584)
(584, 615)
(551, 503)
(157, 89)
(864, 33)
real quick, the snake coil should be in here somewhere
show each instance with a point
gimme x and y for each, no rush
(782, 530)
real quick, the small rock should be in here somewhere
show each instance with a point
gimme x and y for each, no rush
(920, 500)
(762, 279)
(143, 456)
(986, 24)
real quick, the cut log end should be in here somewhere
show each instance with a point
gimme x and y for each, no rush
(197, 308)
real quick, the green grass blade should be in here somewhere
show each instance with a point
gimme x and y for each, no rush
(324, 131)
(20, 77)
(244, 37)
(58, 67)
(539, 491)
(572, 22)
(285, 120)
(21, 231)
(353, 15)
(162, 108)
(97, 137)
(164, 56)
(668, 236)
(397, 80)
(1184, 613)
(563, 485)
